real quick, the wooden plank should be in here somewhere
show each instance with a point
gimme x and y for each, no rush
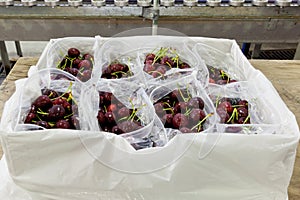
(285, 77)
(283, 74)
(7, 88)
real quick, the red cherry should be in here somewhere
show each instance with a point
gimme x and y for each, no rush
(29, 118)
(73, 53)
(43, 102)
(43, 124)
(85, 64)
(210, 80)
(62, 124)
(226, 105)
(112, 108)
(179, 120)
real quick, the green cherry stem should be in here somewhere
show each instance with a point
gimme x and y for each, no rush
(167, 104)
(42, 113)
(157, 72)
(247, 118)
(237, 106)
(233, 115)
(182, 96)
(67, 116)
(187, 112)
(165, 109)
(52, 124)
(38, 117)
(200, 122)
(124, 118)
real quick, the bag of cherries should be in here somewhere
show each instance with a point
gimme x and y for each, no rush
(147, 59)
(116, 61)
(183, 105)
(47, 102)
(72, 54)
(165, 58)
(242, 110)
(124, 109)
(222, 68)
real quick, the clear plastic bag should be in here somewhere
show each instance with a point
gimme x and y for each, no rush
(116, 61)
(248, 111)
(56, 55)
(60, 93)
(186, 104)
(222, 67)
(137, 47)
(109, 98)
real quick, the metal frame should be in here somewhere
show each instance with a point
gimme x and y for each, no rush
(4, 57)
(249, 24)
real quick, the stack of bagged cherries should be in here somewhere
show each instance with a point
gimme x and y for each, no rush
(177, 109)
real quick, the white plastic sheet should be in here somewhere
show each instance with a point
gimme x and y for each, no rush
(89, 165)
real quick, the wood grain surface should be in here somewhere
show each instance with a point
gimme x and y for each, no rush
(7, 87)
(285, 76)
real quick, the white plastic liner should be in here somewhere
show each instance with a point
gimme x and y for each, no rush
(56, 164)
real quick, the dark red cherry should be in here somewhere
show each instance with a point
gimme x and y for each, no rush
(73, 53)
(242, 112)
(149, 68)
(123, 112)
(101, 118)
(184, 66)
(233, 129)
(64, 124)
(128, 126)
(85, 75)
(74, 122)
(243, 120)
(150, 56)
(84, 65)
(110, 117)
(56, 112)
(179, 120)
(226, 105)
(43, 102)
(112, 108)
(159, 109)
(30, 117)
(167, 120)
(43, 124)
(75, 63)
(196, 102)
(73, 71)
(50, 93)
(117, 130)
(224, 116)
(197, 115)
(185, 130)
(88, 56)
(243, 103)
(167, 61)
